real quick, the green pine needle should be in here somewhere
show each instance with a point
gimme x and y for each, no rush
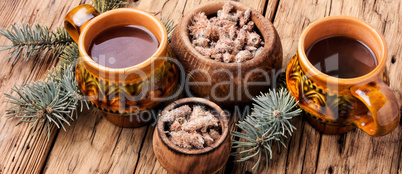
(31, 41)
(48, 102)
(268, 123)
(70, 54)
(106, 5)
(65, 76)
(169, 25)
(58, 98)
(281, 80)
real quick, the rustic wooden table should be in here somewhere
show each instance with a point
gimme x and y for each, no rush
(94, 145)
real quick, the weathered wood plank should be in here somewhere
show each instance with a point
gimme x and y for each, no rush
(308, 150)
(174, 10)
(355, 151)
(20, 151)
(271, 9)
(149, 164)
(94, 145)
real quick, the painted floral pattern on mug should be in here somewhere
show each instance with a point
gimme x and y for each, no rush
(324, 105)
(121, 97)
(329, 107)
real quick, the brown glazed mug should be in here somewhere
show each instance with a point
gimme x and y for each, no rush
(338, 105)
(124, 93)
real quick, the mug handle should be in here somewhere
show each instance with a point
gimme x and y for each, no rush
(77, 18)
(383, 107)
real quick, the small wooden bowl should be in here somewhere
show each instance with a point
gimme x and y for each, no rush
(237, 91)
(180, 160)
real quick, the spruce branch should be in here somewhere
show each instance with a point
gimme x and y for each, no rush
(40, 103)
(106, 5)
(65, 76)
(281, 81)
(69, 55)
(30, 41)
(169, 25)
(269, 123)
(52, 101)
(48, 102)
(56, 99)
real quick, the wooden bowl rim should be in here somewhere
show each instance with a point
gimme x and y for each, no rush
(268, 40)
(222, 121)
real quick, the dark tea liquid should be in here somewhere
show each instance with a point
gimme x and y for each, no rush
(342, 57)
(123, 46)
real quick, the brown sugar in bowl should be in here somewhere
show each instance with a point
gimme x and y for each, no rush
(209, 159)
(226, 83)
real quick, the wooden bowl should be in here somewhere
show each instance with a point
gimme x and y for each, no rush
(228, 84)
(181, 160)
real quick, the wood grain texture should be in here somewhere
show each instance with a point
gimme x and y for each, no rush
(180, 160)
(175, 9)
(355, 152)
(93, 145)
(19, 151)
(230, 82)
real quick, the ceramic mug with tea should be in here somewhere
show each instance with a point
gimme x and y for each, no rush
(123, 66)
(339, 77)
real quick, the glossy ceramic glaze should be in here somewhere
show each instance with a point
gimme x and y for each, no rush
(124, 93)
(337, 105)
(180, 160)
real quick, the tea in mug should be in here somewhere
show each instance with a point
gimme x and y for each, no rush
(342, 57)
(123, 46)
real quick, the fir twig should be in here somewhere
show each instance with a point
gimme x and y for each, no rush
(45, 102)
(65, 76)
(52, 101)
(169, 25)
(106, 5)
(269, 122)
(281, 81)
(30, 41)
(57, 98)
(70, 54)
